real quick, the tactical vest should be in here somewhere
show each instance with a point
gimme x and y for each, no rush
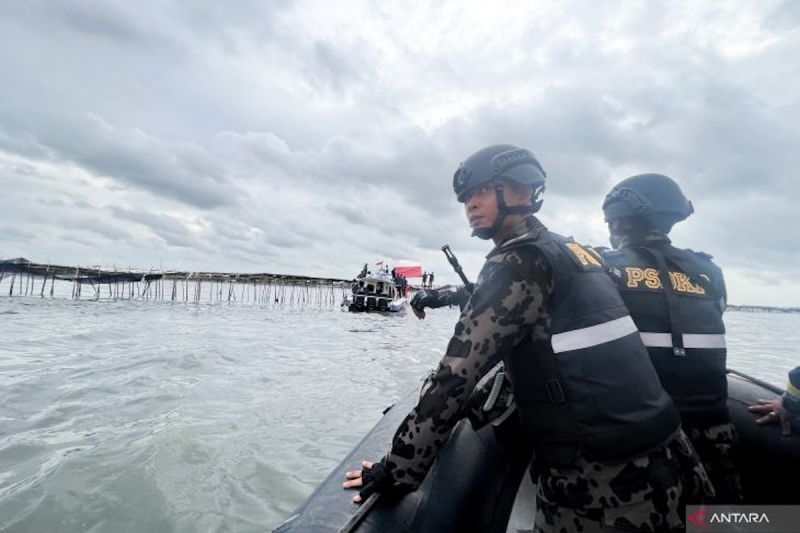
(590, 389)
(681, 327)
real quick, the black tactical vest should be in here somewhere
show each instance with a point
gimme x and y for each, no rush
(682, 327)
(590, 389)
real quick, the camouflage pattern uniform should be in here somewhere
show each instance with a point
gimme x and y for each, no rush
(716, 446)
(648, 493)
(509, 302)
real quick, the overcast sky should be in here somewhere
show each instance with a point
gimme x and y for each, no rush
(311, 137)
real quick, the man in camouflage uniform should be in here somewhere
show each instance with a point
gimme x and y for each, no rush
(676, 298)
(609, 451)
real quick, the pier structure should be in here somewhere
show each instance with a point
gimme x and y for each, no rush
(20, 277)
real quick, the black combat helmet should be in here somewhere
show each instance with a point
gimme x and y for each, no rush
(493, 163)
(651, 197)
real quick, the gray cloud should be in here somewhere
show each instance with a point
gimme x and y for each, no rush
(114, 21)
(72, 238)
(98, 227)
(15, 233)
(288, 136)
(171, 229)
(129, 156)
(332, 67)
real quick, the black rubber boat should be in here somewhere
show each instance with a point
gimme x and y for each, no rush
(478, 482)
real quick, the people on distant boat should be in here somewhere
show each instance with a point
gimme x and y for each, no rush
(402, 285)
(676, 297)
(430, 280)
(424, 279)
(784, 410)
(363, 271)
(609, 451)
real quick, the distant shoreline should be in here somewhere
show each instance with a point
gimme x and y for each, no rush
(762, 309)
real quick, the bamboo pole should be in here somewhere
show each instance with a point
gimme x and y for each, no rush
(251, 289)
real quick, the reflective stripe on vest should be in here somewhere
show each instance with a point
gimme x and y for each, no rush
(690, 340)
(578, 339)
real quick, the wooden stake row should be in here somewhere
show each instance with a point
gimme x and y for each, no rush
(172, 286)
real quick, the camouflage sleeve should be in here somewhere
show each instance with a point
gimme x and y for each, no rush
(452, 295)
(505, 304)
(460, 297)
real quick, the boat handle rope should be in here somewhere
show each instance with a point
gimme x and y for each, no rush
(359, 515)
(770, 386)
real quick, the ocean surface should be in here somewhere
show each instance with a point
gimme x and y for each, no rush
(134, 416)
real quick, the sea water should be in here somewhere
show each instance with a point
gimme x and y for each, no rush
(132, 416)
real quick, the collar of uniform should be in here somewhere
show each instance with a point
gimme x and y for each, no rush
(529, 225)
(652, 238)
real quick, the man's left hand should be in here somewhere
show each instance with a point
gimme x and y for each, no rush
(356, 480)
(372, 478)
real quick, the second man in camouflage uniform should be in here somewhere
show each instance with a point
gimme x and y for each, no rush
(676, 298)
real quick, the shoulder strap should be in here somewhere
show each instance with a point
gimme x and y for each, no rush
(700, 280)
(670, 299)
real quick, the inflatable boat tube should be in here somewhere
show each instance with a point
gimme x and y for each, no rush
(473, 485)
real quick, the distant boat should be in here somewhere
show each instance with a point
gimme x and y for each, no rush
(374, 292)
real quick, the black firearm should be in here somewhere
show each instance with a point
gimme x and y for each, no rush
(454, 262)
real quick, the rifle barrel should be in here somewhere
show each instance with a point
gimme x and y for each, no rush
(451, 258)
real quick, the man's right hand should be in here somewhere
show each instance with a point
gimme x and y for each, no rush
(426, 298)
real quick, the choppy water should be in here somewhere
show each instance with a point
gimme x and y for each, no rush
(140, 416)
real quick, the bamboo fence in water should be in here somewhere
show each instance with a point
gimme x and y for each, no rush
(23, 277)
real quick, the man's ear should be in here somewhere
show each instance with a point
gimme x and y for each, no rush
(528, 194)
(523, 192)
